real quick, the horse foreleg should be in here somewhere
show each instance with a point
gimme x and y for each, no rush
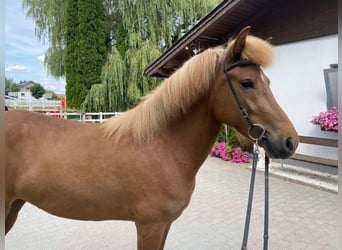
(12, 211)
(152, 236)
(166, 231)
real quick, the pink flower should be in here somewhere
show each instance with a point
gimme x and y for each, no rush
(237, 155)
(224, 156)
(328, 121)
(244, 157)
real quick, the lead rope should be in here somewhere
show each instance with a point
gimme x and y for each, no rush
(250, 196)
(256, 152)
(267, 162)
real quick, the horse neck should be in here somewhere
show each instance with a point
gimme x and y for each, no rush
(192, 135)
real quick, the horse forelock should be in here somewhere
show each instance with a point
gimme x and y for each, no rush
(170, 100)
(256, 50)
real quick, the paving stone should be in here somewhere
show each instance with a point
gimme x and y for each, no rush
(301, 217)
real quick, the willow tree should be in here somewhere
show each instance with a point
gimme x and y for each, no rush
(49, 17)
(140, 30)
(163, 21)
(146, 29)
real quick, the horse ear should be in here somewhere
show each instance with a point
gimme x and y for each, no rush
(269, 40)
(239, 43)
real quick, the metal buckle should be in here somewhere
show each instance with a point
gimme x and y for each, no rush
(262, 132)
(244, 113)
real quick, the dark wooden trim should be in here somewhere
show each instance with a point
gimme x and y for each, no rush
(319, 141)
(292, 21)
(314, 159)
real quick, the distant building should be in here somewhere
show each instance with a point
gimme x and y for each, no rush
(25, 86)
(24, 93)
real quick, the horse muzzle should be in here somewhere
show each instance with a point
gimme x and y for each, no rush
(282, 148)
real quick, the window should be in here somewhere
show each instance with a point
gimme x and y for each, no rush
(331, 85)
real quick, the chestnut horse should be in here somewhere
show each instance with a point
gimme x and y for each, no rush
(141, 166)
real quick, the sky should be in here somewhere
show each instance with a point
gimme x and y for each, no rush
(24, 54)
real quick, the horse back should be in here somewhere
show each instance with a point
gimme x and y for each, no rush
(26, 129)
(36, 141)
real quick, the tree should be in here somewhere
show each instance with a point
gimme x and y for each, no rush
(13, 87)
(37, 90)
(86, 50)
(71, 56)
(52, 95)
(49, 16)
(145, 30)
(10, 85)
(139, 30)
(50, 20)
(163, 21)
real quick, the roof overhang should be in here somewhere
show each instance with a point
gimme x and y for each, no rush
(286, 21)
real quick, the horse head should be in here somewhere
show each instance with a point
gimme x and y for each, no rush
(241, 85)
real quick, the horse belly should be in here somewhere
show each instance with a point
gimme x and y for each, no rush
(114, 203)
(79, 203)
(76, 193)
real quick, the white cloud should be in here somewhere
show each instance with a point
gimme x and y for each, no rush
(17, 68)
(23, 48)
(41, 58)
(57, 86)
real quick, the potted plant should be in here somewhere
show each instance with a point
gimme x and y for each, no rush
(328, 121)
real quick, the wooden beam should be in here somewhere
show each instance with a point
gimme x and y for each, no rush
(321, 142)
(314, 159)
(318, 141)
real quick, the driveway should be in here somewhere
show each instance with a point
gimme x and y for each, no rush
(301, 217)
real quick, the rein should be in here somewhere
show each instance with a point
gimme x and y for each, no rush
(255, 160)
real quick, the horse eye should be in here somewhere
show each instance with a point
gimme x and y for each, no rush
(247, 84)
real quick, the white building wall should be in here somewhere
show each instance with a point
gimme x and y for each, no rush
(297, 82)
(21, 95)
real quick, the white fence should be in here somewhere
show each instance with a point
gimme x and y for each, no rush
(53, 108)
(30, 103)
(85, 117)
(95, 117)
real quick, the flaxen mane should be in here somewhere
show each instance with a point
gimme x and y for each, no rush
(177, 93)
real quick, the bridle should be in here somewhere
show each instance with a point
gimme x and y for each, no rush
(255, 158)
(242, 109)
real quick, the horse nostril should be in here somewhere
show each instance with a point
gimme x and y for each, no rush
(289, 144)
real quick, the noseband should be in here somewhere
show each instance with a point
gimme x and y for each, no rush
(255, 158)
